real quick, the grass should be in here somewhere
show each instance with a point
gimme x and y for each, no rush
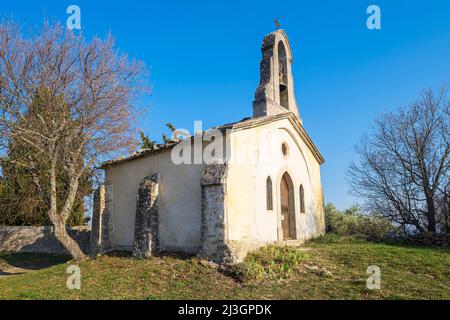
(328, 268)
(271, 262)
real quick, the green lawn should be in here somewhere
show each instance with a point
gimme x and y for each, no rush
(315, 271)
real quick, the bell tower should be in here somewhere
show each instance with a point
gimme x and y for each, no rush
(275, 93)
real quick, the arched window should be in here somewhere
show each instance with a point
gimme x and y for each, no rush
(269, 197)
(302, 200)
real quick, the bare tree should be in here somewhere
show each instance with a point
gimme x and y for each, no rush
(88, 90)
(403, 168)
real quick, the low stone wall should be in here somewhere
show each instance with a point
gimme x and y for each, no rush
(429, 239)
(40, 239)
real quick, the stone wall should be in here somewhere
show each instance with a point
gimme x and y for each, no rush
(40, 239)
(426, 239)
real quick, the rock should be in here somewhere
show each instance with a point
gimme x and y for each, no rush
(209, 264)
(320, 271)
(326, 273)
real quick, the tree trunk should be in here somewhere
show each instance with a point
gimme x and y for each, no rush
(68, 243)
(431, 216)
(431, 211)
(59, 221)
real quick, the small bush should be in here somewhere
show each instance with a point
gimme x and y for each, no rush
(352, 222)
(270, 262)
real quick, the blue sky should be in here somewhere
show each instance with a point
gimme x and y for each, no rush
(204, 60)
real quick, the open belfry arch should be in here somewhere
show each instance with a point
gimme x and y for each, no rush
(275, 93)
(266, 188)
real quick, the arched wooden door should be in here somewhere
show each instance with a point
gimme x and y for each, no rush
(287, 207)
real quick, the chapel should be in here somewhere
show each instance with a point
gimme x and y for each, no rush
(223, 192)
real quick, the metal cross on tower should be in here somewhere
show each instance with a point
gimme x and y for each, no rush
(277, 24)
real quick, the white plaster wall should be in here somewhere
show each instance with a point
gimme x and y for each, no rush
(255, 155)
(179, 202)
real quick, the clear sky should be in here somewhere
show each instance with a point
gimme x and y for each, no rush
(204, 60)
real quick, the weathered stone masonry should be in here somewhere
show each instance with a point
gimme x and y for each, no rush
(146, 237)
(213, 231)
(102, 224)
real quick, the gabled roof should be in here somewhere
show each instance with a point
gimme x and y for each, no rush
(293, 119)
(244, 124)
